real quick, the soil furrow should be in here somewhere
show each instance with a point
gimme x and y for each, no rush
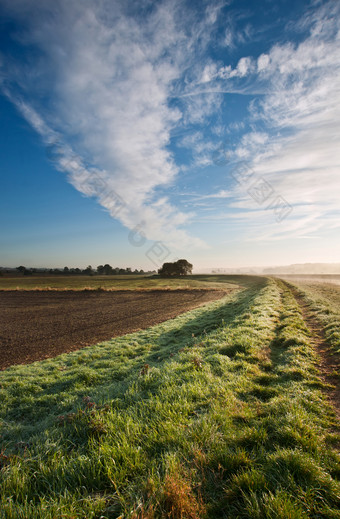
(329, 363)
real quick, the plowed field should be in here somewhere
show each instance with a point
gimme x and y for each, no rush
(35, 325)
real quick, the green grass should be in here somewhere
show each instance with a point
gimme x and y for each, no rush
(324, 303)
(217, 413)
(113, 282)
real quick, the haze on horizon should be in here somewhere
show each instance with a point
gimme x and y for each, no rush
(137, 133)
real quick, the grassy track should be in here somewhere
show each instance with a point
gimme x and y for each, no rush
(324, 303)
(217, 413)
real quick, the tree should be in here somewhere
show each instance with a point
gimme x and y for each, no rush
(184, 267)
(66, 270)
(100, 270)
(23, 270)
(89, 271)
(107, 269)
(178, 268)
(167, 270)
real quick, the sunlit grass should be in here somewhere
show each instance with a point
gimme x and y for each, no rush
(217, 413)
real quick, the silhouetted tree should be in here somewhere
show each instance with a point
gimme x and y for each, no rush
(178, 268)
(168, 269)
(88, 271)
(108, 270)
(183, 267)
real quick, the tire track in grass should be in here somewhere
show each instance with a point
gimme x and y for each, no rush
(329, 363)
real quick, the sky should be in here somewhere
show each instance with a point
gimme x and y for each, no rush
(133, 133)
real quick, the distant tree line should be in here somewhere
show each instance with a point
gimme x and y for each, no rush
(180, 267)
(101, 270)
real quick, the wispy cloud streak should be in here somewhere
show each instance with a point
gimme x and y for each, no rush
(99, 82)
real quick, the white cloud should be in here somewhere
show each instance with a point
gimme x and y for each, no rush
(209, 73)
(212, 73)
(107, 77)
(262, 62)
(243, 67)
(299, 153)
(228, 38)
(197, 108)
(221, 194)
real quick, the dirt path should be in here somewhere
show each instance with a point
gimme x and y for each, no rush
(329, 362)
(36, 325)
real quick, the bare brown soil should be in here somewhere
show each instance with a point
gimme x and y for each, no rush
(36, 325)
(329, 362)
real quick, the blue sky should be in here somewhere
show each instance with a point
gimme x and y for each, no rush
(139, 132)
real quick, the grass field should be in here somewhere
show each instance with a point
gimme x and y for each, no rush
(220, 412)
(324, 279)
(110, 282)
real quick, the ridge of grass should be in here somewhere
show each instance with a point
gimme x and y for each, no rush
(217, 413)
